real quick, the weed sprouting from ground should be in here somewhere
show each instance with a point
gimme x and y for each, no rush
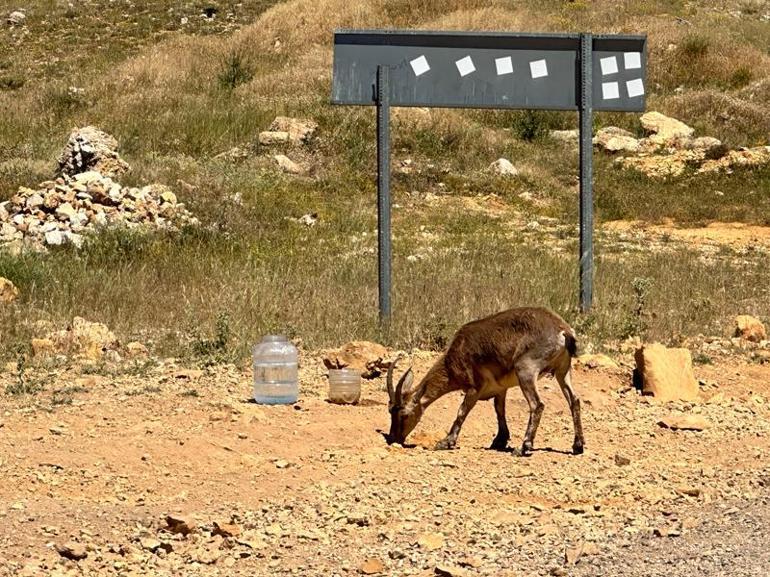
(216, 349)
(236, 70)
(23, 383)
(66, 395)
(695, 46)
(637, 323)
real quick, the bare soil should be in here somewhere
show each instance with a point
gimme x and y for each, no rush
(313, 489)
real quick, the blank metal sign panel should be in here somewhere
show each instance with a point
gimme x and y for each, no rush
(487, 70)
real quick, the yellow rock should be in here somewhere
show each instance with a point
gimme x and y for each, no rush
(667, 374)
(8, 292)
(750, 328)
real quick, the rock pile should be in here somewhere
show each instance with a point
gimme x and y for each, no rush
(82, 339)
(91, 149)
(284, 130)
(671, 147)
(16, 18)
(61, 211)
(84, 198)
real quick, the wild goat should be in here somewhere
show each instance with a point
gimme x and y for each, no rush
(485, 358)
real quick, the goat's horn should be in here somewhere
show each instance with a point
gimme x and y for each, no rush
(400, 385)
(389, 380)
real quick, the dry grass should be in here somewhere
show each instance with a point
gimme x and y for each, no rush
(159, 88)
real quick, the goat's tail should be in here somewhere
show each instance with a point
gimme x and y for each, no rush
(570, 343)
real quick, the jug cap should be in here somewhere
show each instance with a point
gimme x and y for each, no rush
(274, 338)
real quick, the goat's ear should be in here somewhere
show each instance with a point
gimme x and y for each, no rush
(421, 388)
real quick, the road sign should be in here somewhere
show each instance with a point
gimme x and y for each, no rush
(579, 72)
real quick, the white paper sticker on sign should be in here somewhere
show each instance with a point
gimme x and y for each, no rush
(504, 65)
(635, 87)
(538, 68)
(632, 60)
(465, 66)
(610, 90)
(420, 65)
(609, 65)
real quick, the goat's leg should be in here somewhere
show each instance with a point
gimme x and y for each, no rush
(565, 382)
(471, 396)
(528, 381)
(500, 442)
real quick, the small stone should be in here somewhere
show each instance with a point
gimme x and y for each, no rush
(168, 197)
(73, 551)
(180, 524)
(43, 347)
(57, 431)
(687, 422)
(597, 361)
(614, 139)
(622, 461)
(150, 544)
(271, 138)
(54, 238)
(65, 211)
(8, 291)
(287, 165)
(226, 529)
(431, 541)
(690, 491)
(16, 18)
(503, 167)
(473, 562)
(372, 566)
(664, 129)
(566, 135)
(370, 359)
(572, 555)
(136, 350)
(309, 219)
(450, 571)
(281, 464)
(299, 130)
(750, 328)
(33, 201)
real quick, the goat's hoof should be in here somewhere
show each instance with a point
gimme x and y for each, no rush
(577, 449)
(499, 444)
(444, 445)
(526, 449)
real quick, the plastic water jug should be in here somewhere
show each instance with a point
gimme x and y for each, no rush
(275, 371)
(344, 386)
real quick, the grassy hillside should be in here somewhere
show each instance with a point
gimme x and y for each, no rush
(177, 88)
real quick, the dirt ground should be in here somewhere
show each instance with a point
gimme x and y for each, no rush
(313, 489)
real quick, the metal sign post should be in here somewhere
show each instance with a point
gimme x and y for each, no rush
(383, 191)
(581, 72)
(586, 114)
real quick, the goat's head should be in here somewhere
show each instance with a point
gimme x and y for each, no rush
(404, 405)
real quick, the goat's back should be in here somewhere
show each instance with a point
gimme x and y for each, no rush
(508, 338)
